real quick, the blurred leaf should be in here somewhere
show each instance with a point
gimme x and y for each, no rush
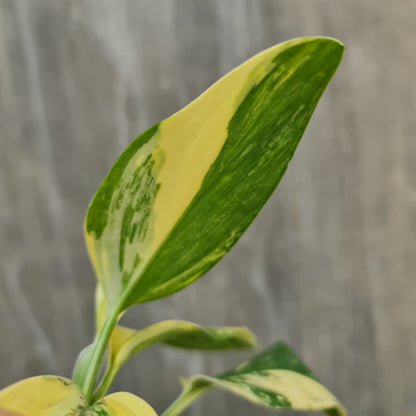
(276, 379)
(126, 342)
(184, 191)
(58, 396)
(42, 396)
(122, 404)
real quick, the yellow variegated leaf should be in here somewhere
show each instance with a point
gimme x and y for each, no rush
(126, 342)
(43, 396)
(58, 396)
(275, 378)
(185, 190)
(122, 404)
(275, 388)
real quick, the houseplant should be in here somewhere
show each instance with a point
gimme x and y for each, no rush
(174, 203)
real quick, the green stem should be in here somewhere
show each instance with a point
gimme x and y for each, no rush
(104, 384)
(86, 371)
(187, 396)
(137, 342)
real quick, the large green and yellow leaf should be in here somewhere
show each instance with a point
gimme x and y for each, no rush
(58, 396)
(276, 379)
(126, 342)
(185, 190)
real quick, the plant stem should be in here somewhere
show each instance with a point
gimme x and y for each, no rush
(104, 385)
(91, 363)
(184, 400)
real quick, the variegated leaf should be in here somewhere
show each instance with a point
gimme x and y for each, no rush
(185, 190)
(58, 396)
(126, 342)
(275, 379)
(121, 404)
(43, 396)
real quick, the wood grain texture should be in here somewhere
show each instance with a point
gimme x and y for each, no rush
(329, 265)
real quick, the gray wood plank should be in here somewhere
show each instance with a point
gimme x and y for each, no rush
(329, 264)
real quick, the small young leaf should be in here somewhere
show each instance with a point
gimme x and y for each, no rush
(58, 396)
(275, 379)
(126, 342)
(185, 190)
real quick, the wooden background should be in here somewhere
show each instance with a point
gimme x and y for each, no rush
(329, 265)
